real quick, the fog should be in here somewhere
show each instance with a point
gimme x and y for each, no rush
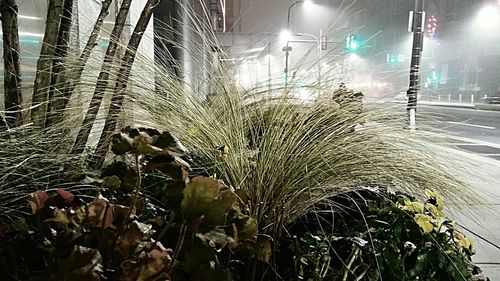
(460, 58)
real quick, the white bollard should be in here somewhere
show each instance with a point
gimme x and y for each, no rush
(413, 123)
(449, 97)
(460, 98)
(472, 99)
(439, 97)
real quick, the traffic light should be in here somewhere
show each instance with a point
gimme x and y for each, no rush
(391, 58)
(395, 58)
(432, 25)
(433, 77)
(352, 43)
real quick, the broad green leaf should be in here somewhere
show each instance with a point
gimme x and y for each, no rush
(197, 256)
(204, 201)
(126, 174)
(263, 250)
(112, 182)
(248, 230)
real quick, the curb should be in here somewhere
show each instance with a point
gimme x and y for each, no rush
(443, 104)
(490, 107)
(478, 106)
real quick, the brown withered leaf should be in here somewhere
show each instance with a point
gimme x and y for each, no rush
(150, 265)
(130, 239)
(37, 200)
(174, 167)
(100, 213)
(65, 195)
(146, 141)
(83, 264)
(142, 145)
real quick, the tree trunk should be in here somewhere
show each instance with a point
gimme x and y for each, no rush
(121, 82)
(102, 80)
(41, 87)
(59, 75)
(62, 100)
(12, 74)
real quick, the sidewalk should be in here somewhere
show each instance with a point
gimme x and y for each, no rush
(483, 175)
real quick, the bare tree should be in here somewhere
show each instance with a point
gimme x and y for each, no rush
(58, 75)
(41, 87)
(62, 97)
(102, 80)
(12, 73)
(122, 79)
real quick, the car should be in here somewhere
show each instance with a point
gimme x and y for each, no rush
(491, 100)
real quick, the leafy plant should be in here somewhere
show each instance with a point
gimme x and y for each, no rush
(383, 235)
(203, 224)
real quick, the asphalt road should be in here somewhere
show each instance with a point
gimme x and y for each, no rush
(476, 131)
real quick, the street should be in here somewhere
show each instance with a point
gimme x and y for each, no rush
(476, 131)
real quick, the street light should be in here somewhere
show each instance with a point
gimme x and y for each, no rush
(488, 17)
(287, 48)
(321, 41)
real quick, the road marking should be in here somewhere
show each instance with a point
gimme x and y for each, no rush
(489, 154)
(472, 125)
(466, 140)
(462, 144)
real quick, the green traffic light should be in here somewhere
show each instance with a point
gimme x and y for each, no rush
(354, 45)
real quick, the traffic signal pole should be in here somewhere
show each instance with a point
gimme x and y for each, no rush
(416, 56)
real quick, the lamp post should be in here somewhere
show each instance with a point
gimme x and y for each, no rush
(287, 48)
(317, 40)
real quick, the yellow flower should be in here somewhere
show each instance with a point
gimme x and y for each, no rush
(425, 222)
(435, 212)
(464, 241)
(415, 207)
(438, 202)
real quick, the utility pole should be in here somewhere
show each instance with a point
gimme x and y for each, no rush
(417, 24)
